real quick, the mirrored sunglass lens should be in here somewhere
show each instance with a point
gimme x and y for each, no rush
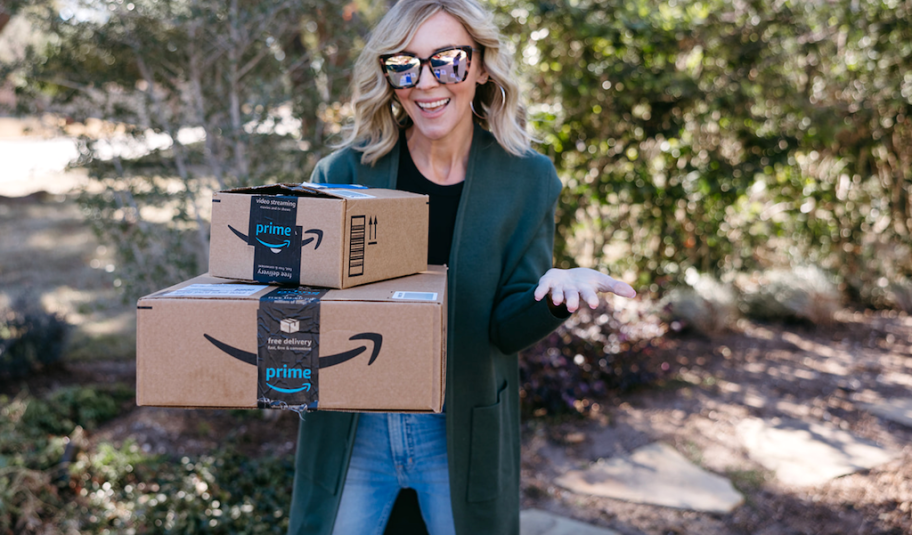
(450, 66)
(402, 70)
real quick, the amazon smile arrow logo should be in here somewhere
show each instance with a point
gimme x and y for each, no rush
(317, 235)
(248, 357)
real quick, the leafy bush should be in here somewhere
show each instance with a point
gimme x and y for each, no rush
(29, 498)
(30, 339)
(724, 136)
(121, 488)
(594, 352)
(68, 407)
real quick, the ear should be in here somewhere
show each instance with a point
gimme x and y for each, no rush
(482, 74)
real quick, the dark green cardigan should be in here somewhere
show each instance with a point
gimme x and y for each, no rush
(502, 245)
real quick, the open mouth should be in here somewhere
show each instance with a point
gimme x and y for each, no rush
(433, 106)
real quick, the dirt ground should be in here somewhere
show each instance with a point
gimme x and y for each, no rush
(761, 370)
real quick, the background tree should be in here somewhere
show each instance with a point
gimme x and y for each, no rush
(713, 135)
(725, 136)
(183, 97)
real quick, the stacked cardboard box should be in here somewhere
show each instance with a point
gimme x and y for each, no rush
(367, 333)
(333, 237)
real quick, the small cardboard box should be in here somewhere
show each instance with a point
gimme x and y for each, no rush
(329, 235)
(210, 342)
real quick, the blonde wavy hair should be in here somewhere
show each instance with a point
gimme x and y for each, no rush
(377, 121)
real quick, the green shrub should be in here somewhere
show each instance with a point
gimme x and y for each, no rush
(68, 407)
(226, 492)
(30, 339)
(617, 347)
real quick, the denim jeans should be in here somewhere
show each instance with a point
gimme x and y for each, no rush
(392, 452)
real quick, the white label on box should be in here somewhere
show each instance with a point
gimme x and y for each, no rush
(349, 194)
(416, 296)
(218, 290)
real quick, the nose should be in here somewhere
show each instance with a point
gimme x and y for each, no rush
(427, 80)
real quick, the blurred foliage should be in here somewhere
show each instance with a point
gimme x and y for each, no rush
(720, 136)
(171, 100)
(726, 136)
(30, 339)
(52, 479)
(224, 492)
(35, 445)
(72, 406)
(595, 352)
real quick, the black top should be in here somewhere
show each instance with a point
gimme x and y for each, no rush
(444, 202)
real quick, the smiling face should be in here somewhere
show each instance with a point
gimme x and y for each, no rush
(441, 111)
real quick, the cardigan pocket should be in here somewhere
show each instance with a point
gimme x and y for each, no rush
(489, 457)
(322, 456)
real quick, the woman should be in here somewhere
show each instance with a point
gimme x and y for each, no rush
(436, 111)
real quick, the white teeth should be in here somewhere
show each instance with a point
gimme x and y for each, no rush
(435, 104)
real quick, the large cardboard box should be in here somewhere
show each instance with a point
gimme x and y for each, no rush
(334, 236)
(210, 342)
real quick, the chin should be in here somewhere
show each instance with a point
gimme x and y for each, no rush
(439, 128)
(434, 132)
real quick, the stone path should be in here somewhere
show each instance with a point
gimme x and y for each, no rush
(536, 522)
(897, 410)
(798, 452)
(655, 474)
(805, 454)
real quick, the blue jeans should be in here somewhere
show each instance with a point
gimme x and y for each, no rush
(391, 452)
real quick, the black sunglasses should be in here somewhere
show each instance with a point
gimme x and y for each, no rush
(448, 65)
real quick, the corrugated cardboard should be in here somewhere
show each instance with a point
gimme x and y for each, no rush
(317, 235)
(196, 350)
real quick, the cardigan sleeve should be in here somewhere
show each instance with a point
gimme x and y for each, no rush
(518, 320)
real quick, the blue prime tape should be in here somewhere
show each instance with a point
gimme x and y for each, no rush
(288, 352)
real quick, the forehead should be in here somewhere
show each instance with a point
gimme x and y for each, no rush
(439, 31)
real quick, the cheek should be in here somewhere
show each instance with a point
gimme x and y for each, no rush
(467, 90)
(402, 94)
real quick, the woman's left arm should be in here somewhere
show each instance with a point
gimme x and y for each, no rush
(521, 316)
(518, 319)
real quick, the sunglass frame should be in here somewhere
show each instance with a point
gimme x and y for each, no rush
(427, 61)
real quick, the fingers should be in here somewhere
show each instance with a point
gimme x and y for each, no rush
(545, 283)
(557, 295)
(572, 297)
(623, 289)
(544, 286)
(541, 291)
(607, 283)
(590, 297)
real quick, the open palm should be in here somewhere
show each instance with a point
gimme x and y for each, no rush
(573, 285)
